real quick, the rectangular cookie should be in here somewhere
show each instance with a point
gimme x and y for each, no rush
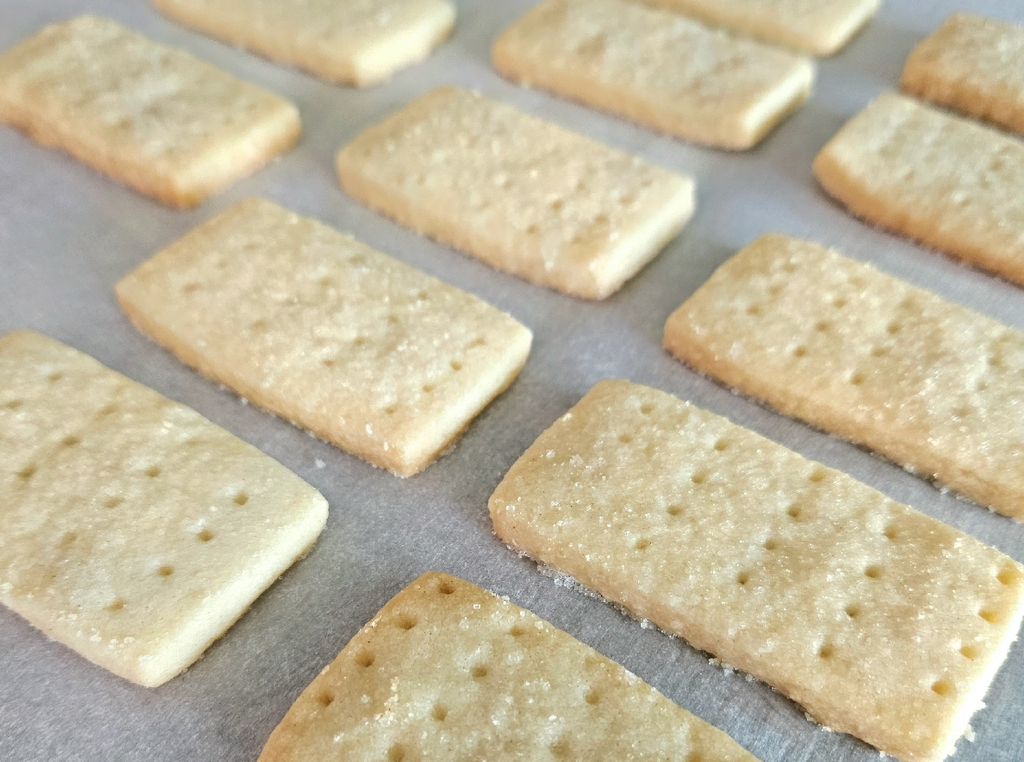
(657, 68)
(522, 194)
(818, 27)
(447, 671)
(151, 116)
(974, 65)
(951, 183)
(359, 42)
(880, 621)
(364, 351)
(929, 384)
(133, 530)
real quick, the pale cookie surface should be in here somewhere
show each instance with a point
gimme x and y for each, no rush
(929, 384)
(154, 117)
(364, 351)
(819, 27)
(522, 194)
(949, 182)
(447, 671)
(133, 530)
(360, 42)
(972, 64)
(657, 68)
(879, 620)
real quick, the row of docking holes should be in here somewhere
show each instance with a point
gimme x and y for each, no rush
(893, 328)
(365, 659)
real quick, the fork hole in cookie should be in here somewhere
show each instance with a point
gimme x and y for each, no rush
(990, 615)
(55, 377)
(873, 572)
(742, 578)
(365, 659)
(326, 699)
(891, 533)
(593, 697)
(439, 712)
(642, 544)
(969, 652)
(625, 438)
(116, 605)
(827, 651)
(794, 512)
(479, 671)
(942, 688)
(446, 588)
(396, 753)
(27, 472)
(647, 409)
(674, 510)
(204, 535)
(153, 471)
(13, 404)
(800, 351)
(516, 631)
(771, 544)
(165, 570)
(1008, 575)
(721, 445)
(853, 610)
(113, 502)
(455, 365)
(405, 622)
(241, 498)
(561, 749)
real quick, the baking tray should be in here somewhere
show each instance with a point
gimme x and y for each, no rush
(67, 235)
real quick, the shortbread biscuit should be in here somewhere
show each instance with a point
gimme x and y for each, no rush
(972, 64)
(951, 183)
(819, 27)
(364, 351)
(447, 671)
(522, 194)
(133, 530)
(656, 68)
(927, 383)
(154, 117)
(879, 620)
(359, 42)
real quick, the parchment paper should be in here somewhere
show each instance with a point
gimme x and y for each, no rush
(67, 235)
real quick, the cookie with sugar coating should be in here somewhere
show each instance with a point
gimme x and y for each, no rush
(364, 351)
(449, 671)
(520, 193)
(951, 183)
(359, 42)
(974, 65)
(133, 531)
(658, 68)
(879, 620)
(927, 383)
(151, 116)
